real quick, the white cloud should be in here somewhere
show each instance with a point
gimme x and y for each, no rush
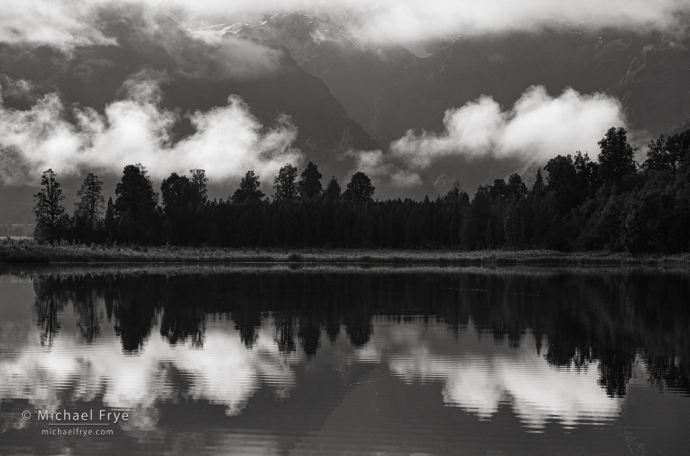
(63, 23)
(228, 141)
(70, 22)
(374, 164)
(537, 127)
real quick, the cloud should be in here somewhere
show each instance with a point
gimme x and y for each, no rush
(71, 22)
(376, 165)
(412, 20)
(62, 23)
(537, 127)
(213, 56)
(228, 140)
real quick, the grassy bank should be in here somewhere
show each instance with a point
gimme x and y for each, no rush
(15, 251)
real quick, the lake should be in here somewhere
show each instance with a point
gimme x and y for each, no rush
(278, 360)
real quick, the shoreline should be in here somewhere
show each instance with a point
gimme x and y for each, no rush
(22, 252)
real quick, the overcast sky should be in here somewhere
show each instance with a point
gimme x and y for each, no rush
(70, 21)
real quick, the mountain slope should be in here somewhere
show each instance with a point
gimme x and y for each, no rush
(656, 88)
(355, 72)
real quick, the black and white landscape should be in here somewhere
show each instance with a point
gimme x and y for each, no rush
(263, 227)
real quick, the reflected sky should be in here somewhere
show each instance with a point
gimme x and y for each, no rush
(296, 362)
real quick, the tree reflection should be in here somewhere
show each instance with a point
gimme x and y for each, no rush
(86, 308)
(613, 319)
(48, 306)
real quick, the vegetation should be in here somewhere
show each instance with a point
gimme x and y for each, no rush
(27, 251)
(612, 204)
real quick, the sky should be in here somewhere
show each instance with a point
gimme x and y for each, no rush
(71, 21)
(537, 126)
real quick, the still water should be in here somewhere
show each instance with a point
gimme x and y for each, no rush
(345, 360)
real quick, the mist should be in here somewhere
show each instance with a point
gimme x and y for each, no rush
(228, 140)
(416, 20)
(68, 23)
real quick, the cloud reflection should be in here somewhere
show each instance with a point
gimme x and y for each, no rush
(224, 372)
(480, 377)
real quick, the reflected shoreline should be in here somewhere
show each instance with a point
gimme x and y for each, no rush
(71, 269)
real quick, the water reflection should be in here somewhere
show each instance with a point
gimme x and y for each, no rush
(552, 346)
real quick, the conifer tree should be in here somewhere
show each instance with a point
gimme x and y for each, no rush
(333, 190)
(91, 200)
(310, 182)
(48, 210)
(616, 157)
(249, 189)
(285, 183)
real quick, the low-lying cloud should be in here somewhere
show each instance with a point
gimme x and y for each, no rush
(228, 140)
(71, 22)
(376, 165)
(413, 20)
(537, 127)
(61, 23)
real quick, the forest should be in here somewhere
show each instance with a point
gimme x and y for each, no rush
(576, 203)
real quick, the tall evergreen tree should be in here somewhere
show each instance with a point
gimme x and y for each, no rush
(562, 182)
(177, 191)
(199, 182)
(333, 190)
(360, 187)
(285, 183)
(134, 197)
(91, 200)
(454, 192)
(249, 189)
(538, 187)
(310, 182)
(48, 210)
(110, 223)
(516, 186)
(616, 159)
(134, 191)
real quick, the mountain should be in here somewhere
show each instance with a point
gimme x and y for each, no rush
(356, 72)
(648, 73)
(656, 88)
(390, 90)
(502, 67)
(198, 76)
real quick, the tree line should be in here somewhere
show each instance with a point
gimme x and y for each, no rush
(578, 203)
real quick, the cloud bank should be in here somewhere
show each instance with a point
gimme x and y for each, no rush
(71, 22)
(228, 140)
(537, 127)
(56, 22)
